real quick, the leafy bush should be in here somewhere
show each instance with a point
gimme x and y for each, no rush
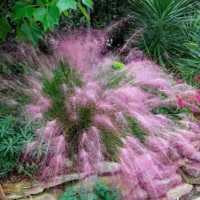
(32, 18)
(14, 134)
(161, 22)
(16, 68)
(98, 192)
(189, 66)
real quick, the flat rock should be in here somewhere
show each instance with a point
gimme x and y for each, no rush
(137, 193)
(189, 179)
(53, 194)
(192, 169)
(27, 188)
(179, 191)
(108, 168)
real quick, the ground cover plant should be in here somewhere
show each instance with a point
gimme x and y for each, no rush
(15, 134)
(98, 192)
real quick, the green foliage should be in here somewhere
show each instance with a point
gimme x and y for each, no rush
(155, 92)
(118, 65)
(14, 134)
(12, 95)
(161, 22)
(106, 11)
(98, 192)
(14, 68)
(115, 76)
(171, 112)
(111, 141)
(32, 19)
(63, 75)
(136, 129)
(189, 66)
(5, 27)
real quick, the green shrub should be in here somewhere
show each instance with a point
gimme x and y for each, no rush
(171, 112)
(16, 68)
(98, 192)
(189, 66)
(14, 134)
(161, 22)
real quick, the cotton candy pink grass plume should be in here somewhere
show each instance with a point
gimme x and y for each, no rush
(55, 158)
(54, 144)
(39, 103)
(83, 49)
(50, 131)
(142, 168)
(147, 73)
(91, 150)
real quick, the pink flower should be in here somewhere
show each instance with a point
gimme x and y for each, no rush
(198, 98)
(195, 110)
(181, 102)
(180, 81)
(197, 78)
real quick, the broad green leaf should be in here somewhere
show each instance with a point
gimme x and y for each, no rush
(20, 10)
(42, 2)
(4, 27)
(84, 12)
(32, 32)
(48, 16)
(30, 1)
(88, 3)
(20, 34)
(40, 13)
(66, 13)
(66, 4)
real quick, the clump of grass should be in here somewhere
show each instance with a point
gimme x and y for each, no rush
(70, 79)
(62, 76)
(115, 77)
(136, 129)
(111, 142)
(155, 92)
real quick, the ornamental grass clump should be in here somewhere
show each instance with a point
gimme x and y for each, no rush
(85, 121)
